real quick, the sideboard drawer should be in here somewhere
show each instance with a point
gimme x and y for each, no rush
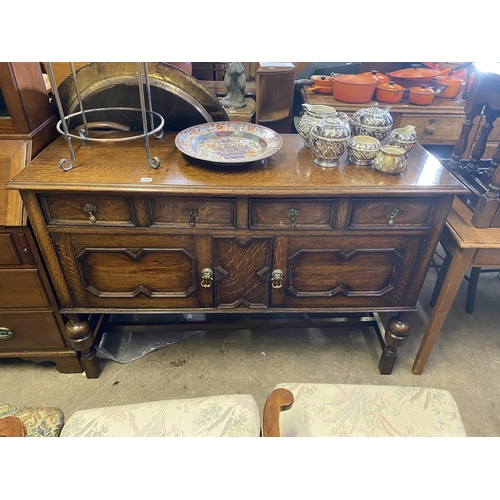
(89, 209)
(22, 288)
(185, 212)
(29, 330)
(432, 128)
(398, 212)
(292, 213)
(9, 256)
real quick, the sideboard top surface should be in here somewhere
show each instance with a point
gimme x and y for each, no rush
(123, 167)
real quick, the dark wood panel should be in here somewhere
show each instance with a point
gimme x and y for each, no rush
(22, 288)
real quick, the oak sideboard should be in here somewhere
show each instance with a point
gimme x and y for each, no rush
(278, 235)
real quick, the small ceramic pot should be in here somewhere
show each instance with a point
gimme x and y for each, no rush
(404, 138)
(362, 149)
(313, 114)
(373, 121)
(390, 160)
(328, 140)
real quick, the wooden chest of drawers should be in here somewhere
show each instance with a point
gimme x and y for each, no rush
(282, 235)
(31, 326)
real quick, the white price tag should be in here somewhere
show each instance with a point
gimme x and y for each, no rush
(147, 179)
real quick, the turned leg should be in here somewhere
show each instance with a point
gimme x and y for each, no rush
(480, 146)
(396, 335)
(489, 203)
(461, 144)
(82, 339)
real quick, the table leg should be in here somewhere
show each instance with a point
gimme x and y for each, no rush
(461, 261)
(396, 335)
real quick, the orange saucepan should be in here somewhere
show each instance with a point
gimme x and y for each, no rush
(389, 92)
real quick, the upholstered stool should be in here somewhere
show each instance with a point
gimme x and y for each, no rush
(361, 410)
(38, 421)
(215, 416)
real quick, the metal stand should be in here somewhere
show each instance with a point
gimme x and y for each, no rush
(146, 111)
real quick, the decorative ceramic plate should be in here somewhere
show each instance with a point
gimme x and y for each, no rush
(228, 142)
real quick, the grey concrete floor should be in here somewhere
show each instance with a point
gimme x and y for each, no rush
(465, 361)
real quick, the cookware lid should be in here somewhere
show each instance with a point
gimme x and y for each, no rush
(390, 86)
(423, 89)
(356, 79)
(415, 73)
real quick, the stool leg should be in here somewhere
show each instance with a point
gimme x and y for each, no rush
(471, 289)
(440, 279)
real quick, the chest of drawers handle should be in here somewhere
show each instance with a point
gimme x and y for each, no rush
(5, 333)
(90, 210)
(207, 276)
(277, 278)
(192, 212)
(291, 214)
(391, 216)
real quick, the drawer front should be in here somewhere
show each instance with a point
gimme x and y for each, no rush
(396, 213)
(22, 288)
(292, 214)
(434, 128)
(29, 330)
(9, 255)
(88, 210)
(186, 212)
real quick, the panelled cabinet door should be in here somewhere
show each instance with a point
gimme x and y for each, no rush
(242, 272)
(133, 270)
(345, 271)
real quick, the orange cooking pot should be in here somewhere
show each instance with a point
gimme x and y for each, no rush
(414, 76)
(389, 92)
(454, 86)
(423, 95)
(381, 78)
(354, 89)
(322, 84)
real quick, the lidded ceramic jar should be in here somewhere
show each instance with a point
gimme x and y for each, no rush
(313, 114)
(390, 160)
(372, 121)
(328, 140)
(404, 138)
(362, 149)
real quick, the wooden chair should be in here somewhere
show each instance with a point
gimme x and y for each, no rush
(343, 410)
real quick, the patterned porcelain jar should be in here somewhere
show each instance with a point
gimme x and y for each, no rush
(313, 114)
(390, 160)
(328, 140)
(372, 121)
(362, 149)
(404, 137)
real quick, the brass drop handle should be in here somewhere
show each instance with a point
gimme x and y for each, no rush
(291, 214)
(277, 278)
(207, 276)
(429, 130)
(192, 212)
(5, 333)
(391, 216)
(90, 210)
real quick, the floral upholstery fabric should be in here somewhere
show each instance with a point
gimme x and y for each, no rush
(215, 416)
(369, 410)
(39, 421)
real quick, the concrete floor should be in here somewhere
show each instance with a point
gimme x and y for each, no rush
(465, 361)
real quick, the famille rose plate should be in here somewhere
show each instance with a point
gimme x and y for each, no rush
(228, 142)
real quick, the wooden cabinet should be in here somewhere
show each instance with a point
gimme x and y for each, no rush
(282, 235)
(31, 326)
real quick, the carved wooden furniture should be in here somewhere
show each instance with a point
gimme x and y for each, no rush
(278, 236)
(343, 410)
(484, 182)
(468, 246)
(29, 115)
(30, 324)
(438, 124)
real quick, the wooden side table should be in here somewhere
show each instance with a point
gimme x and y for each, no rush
(468, 246)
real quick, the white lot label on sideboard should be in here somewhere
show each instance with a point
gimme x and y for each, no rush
(147, 179)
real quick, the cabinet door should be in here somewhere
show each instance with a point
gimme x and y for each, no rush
(345, 271)
(241, 272)
(128, 271)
